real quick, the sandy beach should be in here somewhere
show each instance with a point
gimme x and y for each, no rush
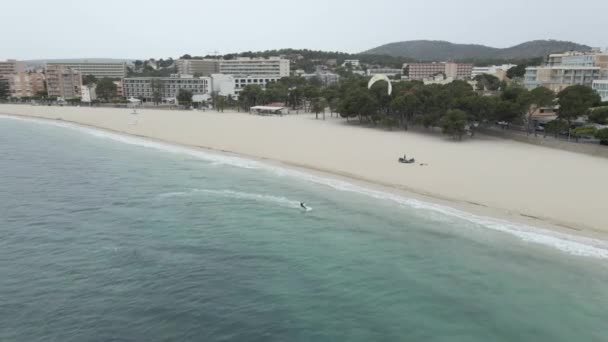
(517, 179)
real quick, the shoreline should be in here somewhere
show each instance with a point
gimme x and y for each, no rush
(473, 207)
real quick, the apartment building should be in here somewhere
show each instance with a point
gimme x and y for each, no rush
(421, 71)
(326, 78)
(499, 71)
(601, 86)
(204, 67)
(354, 63)
(11, 66)
(25, 84)
(384, 71)
(229, 85)
(560, 77)
(98, 69)
(255, 67)
(62, 81)
(570, 68)
(143, 87)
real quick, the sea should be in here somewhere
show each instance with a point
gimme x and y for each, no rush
(106, 237)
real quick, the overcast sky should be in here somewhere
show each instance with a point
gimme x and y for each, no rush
(37, 29)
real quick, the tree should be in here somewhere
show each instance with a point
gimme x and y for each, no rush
(89, 79)
(602, 135)
(454, 122)
(186, 56)
(4, 93)
(535, 99)
(406, 106)
(156, 86)
(318, 105)
(575, 101)
(599, 116)
(555, 127)
(106, 89)
(487, 82)
(517, 71)
(585, 131)
(220, 103)
(42, 94)
(184, 98)
(251, 95)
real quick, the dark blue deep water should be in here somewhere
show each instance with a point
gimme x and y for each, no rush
(106, 241)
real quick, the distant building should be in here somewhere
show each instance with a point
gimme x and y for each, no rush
(25, 84)
(231, 85)
(97, 69)
(62, 81)
(11, 66)
(89, 93)
(332, 62)
(384, 71)
(558, 78)
(204, 67)
(224, 85)
(601, 86)
(353, 62)
(326, 78)
(565, 69)
(119, 90)
(499, 71)
(142, 87)
(255, 67)
(420, 71)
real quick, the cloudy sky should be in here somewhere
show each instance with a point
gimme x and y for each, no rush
(136, 29)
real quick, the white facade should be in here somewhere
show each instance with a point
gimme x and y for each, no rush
(243, 66)
(384, 71)
(559, 77)
(601, 86)
(169, 87)
(88, 94)
(224, 85)
(491, 70)
(326, 78)
(353, 62)
(227, 85)
(98, 69)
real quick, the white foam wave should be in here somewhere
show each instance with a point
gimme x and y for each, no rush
(571, 244)
(276, 200)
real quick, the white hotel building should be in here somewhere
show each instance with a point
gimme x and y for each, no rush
(229, 85)
(255, 67)
(141, 87)
(99, 69)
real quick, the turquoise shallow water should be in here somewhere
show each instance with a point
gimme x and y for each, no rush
(106, 241)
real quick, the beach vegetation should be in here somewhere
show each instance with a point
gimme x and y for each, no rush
(556, 127)
(89, 79)
(106, 89)
(318, 105)
(602, 135)
(536, 99)
(599, 116)
(584, 131)
(454, 123)
(156, 86)
(575, 101)
(184, 98)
